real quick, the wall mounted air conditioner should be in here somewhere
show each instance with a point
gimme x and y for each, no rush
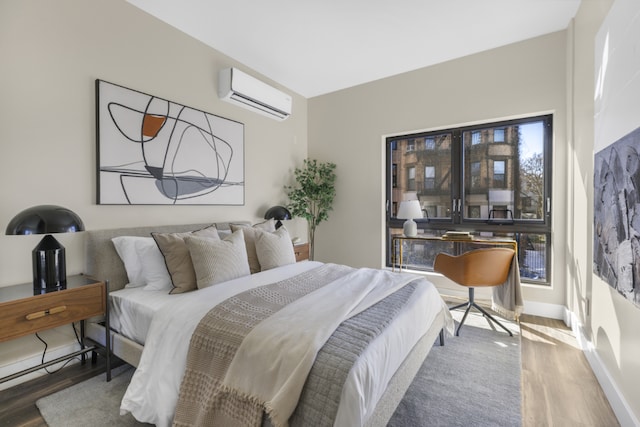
(240, 88)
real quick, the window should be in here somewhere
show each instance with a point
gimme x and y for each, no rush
(475, 138)
(467, 175)
(498, 173)
(429, 177)
(411, 178)
(475, 174)
(411, 145)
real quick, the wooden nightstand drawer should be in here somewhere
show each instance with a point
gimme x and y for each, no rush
(301, 251)
(29, 315)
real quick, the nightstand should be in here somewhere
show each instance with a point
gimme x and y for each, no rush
(301, 250)
(22, 313)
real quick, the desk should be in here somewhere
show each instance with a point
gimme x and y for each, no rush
(397, 241)
(506, 300)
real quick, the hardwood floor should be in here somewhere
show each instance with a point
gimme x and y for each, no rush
(18, 404)
(559, 388)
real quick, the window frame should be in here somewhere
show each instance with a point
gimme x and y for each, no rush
(458, 220)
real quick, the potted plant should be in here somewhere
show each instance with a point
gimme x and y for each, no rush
(312, 196)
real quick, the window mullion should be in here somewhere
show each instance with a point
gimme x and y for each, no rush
(457, 176)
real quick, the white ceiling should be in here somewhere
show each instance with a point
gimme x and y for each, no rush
(315, 47)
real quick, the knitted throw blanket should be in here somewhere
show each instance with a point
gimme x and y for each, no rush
(204, 400)
(252, 353)
(320, 397)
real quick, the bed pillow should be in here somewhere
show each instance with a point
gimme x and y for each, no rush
(177, 258)
(249, 240)
(143, 262)
(154, 270)
(274, 249)
(216, 261)
(126, 249)
(224, 233)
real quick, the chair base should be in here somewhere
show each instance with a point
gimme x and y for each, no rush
(472, 303)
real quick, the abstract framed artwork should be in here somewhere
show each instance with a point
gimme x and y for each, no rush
(151, 151)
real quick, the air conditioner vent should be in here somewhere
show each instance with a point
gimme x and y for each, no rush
(246, 91)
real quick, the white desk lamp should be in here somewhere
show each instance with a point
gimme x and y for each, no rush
(410, 210)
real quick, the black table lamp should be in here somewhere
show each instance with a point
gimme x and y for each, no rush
(278, 213)
(49, 264)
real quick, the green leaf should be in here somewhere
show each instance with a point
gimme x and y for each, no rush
(312, 196)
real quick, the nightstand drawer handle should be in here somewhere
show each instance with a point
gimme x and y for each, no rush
(39, 314)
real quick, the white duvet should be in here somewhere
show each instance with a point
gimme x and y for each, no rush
(153, 392)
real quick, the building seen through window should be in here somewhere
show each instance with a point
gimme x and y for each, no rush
(461, 175)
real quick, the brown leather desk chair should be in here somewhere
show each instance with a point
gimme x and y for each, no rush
(479, 267)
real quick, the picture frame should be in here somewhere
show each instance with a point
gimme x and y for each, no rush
(616, 242)
(152, 151)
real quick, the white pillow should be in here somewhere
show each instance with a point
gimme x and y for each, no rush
(216, 261)
(143, 262)
(274, 249)
(125, 247)
(154, 269)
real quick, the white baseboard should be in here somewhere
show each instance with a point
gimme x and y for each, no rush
(551, 311)
(616, 399)
(543, 309)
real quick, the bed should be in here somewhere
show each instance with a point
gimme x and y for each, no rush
(151, 330)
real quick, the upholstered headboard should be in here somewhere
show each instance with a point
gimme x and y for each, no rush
(102, 261)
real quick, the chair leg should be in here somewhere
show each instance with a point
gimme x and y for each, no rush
(472, 303)
(490, 317)
(464, 304)
(464, 317)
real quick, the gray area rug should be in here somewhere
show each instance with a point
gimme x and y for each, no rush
(93, 402)
(474, 380)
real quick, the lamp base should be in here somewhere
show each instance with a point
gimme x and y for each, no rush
(410, 228)
(49, 266)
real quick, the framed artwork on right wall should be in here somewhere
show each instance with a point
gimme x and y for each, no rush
(616, 246)
(616, 179)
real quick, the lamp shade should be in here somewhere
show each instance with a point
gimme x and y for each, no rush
(49, 262)
(410, 210)
(45, 219)
(278, 213)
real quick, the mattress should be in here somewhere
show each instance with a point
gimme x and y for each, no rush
(131, 311)
(152, 394)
